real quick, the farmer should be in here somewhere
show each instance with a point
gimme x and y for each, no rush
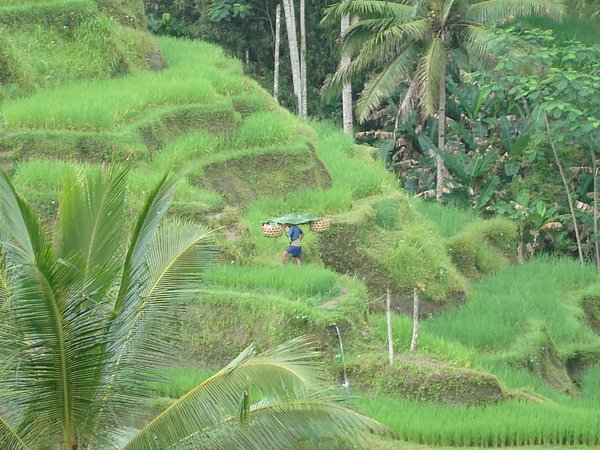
(295, 249)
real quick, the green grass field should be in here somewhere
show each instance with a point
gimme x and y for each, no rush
(237, 149)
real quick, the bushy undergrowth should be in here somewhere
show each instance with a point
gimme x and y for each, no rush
(484, 246)
(420, 259)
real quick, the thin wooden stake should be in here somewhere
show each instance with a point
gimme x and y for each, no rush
(415, 333)
(388, 314)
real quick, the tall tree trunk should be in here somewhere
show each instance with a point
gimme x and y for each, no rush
(390, 333)
(415, 331)
(439, 162)
(303, 57)
(595, 210)
(290, 24)
(276, 53)
(567, 190)
(347, 119)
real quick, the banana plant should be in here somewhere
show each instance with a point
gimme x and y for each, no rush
(531, 218)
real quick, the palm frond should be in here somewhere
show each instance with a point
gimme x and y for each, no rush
(138, 335)
(448, 8)
(314, 422)
(283, 373)
(366, 9)
(431, 72)
(385, 83)
(492, 12)
(9, 438)
(478, 42)
(410, 99)
(29, 239)
(382, 35)
(154, 209)
(376, 51)
(91, 216)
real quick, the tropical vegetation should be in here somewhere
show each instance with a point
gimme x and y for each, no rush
(87, 321)
(504, 350)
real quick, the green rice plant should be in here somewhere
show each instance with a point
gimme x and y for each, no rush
(386, 214)
(255, 99)
(590, 386)
(188, 198)
(519, 378)
(349, 174)
(432, 345)
(102, 104)
(4, 3)
(106, 147)
(503, 305)
(303, 281)
(509, 423)
(42, 175)
(83, 44)
(448, 220)
(188, 147)
(194, 57)
(265, 128)
(175, 381)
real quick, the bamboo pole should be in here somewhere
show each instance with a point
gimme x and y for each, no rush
(388, 314)
(415, 332)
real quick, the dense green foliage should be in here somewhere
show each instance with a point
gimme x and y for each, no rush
(523, 339)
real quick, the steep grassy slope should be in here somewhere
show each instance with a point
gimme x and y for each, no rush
(519, 334)
(46, 43)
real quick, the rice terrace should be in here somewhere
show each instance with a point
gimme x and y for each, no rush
(355, 224)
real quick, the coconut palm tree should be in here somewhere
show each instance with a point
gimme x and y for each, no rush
(412, 43)
(88, 317)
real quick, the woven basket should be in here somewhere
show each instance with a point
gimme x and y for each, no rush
(321, 225)
(271, 231)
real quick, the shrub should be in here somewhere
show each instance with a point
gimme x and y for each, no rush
(420, 258)
(484, 247)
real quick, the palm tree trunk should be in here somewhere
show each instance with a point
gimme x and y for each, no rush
(567, 191)
(439, 162)
(303, 57)
(290, 24)
(276, 52)
(347, 119)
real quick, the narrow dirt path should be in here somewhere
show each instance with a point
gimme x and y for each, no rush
(331, 304)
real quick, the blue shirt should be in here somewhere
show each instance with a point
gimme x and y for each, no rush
(294, 233)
